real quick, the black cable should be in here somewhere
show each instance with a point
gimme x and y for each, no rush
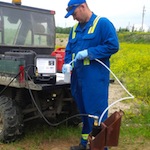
(47, 121)
(27, 67)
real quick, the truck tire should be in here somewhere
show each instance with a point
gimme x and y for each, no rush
(11, 121)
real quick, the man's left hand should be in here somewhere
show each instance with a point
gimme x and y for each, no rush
(81, 55)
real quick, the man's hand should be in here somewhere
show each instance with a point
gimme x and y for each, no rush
(66, 68)
(81, 55)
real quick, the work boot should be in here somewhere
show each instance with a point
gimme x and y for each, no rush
(79, 147)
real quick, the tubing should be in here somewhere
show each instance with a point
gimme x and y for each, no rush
(130, 95)
(71, 61)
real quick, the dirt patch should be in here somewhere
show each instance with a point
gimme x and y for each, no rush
(116, 92)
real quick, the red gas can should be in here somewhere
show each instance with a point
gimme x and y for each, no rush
(59, 53)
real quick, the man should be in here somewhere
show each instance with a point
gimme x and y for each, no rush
(91, 38)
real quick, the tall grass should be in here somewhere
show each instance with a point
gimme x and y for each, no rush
(132, 65)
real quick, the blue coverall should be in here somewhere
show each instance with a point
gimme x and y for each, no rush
(90, 82)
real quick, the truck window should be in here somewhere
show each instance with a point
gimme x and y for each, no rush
(0, 37)
(40, 29)
(27, 27)
(10, 31)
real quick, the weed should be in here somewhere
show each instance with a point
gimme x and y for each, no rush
(132, 66)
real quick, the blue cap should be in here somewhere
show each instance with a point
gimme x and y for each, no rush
(72, 5)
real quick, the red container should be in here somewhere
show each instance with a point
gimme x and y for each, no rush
(59, 53)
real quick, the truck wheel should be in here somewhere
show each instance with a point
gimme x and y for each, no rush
(11, 126)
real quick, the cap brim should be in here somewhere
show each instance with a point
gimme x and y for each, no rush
(71, 12)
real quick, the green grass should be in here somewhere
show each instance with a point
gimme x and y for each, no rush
(38, 133)
(134, 132)
(47, 132)
(136, 123)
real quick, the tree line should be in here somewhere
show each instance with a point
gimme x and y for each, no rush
(67, 30)
(63, 30)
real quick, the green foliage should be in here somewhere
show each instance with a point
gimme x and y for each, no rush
(123, 30)
(132, 65)
(63, 30)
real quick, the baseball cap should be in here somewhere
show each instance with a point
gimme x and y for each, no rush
(72, 5)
